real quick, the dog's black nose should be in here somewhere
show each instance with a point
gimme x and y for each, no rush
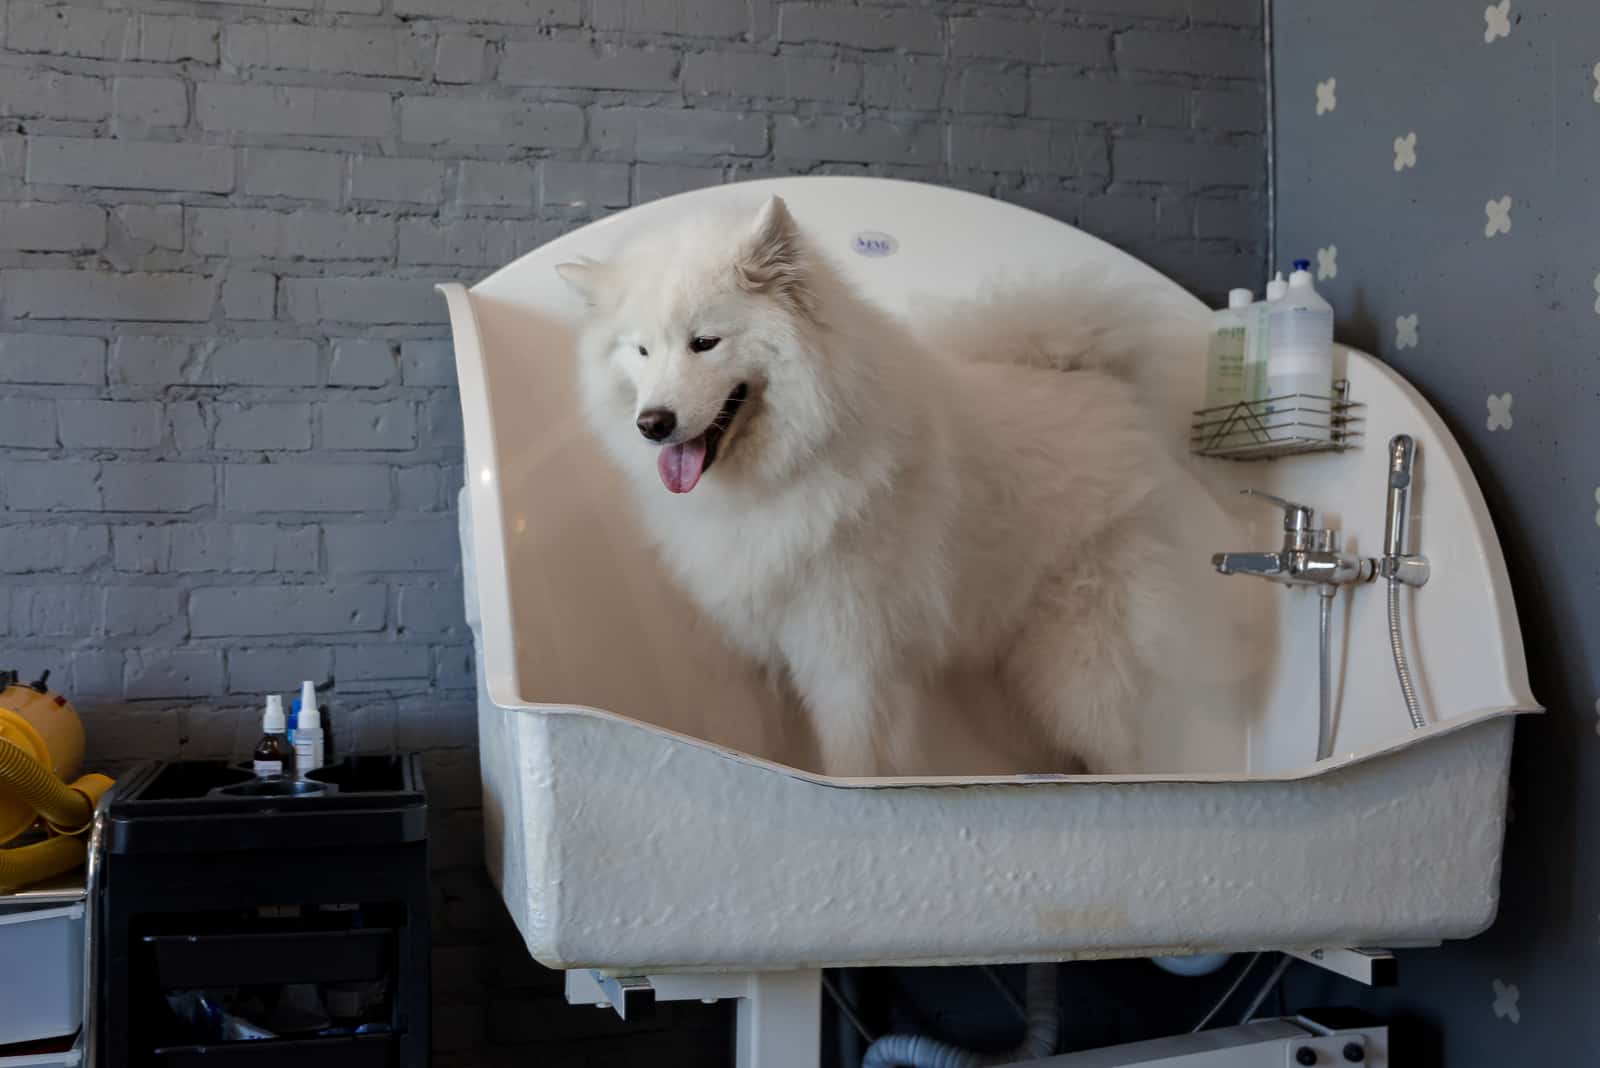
(657, 423)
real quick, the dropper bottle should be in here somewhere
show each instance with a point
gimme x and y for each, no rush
(273, 756)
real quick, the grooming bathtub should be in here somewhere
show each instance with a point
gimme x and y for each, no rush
(639, 821)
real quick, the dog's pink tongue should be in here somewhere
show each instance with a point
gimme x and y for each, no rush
(680, 465)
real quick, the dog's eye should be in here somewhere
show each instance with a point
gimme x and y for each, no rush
(643, 351)
(703, 344)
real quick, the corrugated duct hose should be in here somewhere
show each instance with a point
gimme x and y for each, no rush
(1044, 1027)
(29, 864)
(68, 810)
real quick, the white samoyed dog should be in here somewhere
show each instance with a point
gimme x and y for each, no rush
(866, 508)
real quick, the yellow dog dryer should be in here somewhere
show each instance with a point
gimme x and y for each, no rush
(41, 747)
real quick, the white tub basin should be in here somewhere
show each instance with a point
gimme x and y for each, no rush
(640, 813)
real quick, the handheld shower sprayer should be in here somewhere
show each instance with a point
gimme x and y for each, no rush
(1402, 452)
(1396, 564)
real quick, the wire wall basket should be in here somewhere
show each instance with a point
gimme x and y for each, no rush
(1278, 426)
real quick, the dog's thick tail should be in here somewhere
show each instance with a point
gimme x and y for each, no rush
(1079, 322)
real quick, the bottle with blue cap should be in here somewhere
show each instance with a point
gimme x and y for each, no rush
(1299, 372)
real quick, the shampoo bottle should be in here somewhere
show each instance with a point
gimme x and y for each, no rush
(1226, 355)
(1255, 357)
(1300, 353)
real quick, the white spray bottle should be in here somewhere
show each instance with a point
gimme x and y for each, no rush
(308, 747)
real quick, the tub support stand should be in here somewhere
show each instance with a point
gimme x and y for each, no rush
(1373, 967)
(779, 1013)
(779, 1017)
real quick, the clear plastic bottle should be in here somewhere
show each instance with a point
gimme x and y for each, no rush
(1300, 353)
(1230, 328)
(1256, 340)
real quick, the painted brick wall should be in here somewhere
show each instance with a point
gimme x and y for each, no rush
(229, 440)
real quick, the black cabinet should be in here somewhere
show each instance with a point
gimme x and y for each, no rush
(251, 926)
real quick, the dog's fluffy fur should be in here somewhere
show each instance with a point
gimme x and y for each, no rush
(889, 505)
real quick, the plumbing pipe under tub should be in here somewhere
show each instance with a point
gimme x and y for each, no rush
(1325, 670)
(1038, 1042)
(1192, 967)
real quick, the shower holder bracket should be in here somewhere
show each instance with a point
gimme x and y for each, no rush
(1372, 967)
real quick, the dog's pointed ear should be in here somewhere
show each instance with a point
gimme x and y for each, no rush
(771, 260)
(584, 276)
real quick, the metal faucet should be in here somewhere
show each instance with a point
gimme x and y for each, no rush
(1310, 555)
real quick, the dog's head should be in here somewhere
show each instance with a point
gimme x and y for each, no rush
(693, 333)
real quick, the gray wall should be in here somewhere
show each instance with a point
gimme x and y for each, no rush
(229, 438)
(1511, 318)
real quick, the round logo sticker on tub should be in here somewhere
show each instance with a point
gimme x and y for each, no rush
(874, 243)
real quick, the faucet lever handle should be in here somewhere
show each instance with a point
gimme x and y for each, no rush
(1296, 517)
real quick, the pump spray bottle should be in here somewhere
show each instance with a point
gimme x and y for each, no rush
(308, 748)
